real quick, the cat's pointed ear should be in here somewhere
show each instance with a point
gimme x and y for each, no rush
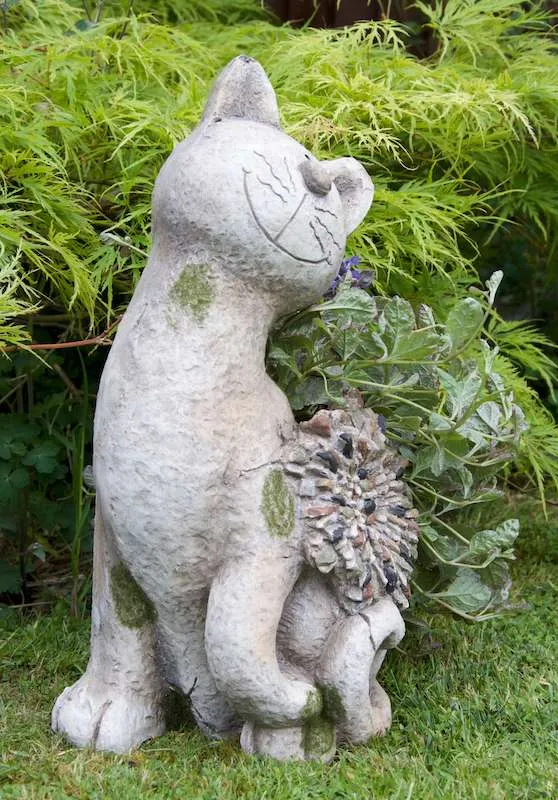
(242, 91)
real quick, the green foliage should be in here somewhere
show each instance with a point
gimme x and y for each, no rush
(462, 148)
(44, 513)
(447, 407)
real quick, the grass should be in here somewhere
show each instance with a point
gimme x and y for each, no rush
(475, 715)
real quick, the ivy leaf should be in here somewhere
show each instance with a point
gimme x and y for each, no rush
(279, 356)
(460, 393)
(466, 592)
(43, 457)
(402, 339)
(464, 322)
(466, 479)
(8, 449)
(398, 315)
(310, 393)
(490, 414)
(350, 304)
(13, 429)
(497, 576)
(416, 345)
(437, 422)
(38, 551)
(492, 284)
(11, 481)
(485, 543)
(426, 316)
(450, 549)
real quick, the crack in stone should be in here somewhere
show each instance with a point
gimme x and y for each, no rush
(97, 729)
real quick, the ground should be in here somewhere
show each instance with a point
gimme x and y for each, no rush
(475, 718)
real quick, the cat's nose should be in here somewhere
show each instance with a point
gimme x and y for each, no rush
(316, 176)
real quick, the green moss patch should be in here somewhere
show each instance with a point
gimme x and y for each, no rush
(193, 291)
(313, 705)
(277, 505)
(318, 737)
(133, 607)
(334, 710)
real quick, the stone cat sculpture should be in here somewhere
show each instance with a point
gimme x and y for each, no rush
(253, 564)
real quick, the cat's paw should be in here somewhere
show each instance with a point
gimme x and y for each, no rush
(314, 740)
(92, 714)
(381, 709)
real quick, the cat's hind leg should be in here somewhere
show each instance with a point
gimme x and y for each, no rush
(347, 671)
(118, 701)
(181, 628)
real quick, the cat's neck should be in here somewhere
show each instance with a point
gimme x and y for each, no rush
(201, 315)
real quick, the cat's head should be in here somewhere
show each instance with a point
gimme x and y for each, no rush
(255, 201)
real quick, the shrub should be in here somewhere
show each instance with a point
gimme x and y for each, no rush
(462, 148)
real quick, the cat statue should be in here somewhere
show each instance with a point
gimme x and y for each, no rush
(255, 565)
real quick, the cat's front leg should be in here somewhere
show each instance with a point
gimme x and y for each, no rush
(118, 702)
(245, 605)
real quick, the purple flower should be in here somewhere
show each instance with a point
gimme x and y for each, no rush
(361, 278)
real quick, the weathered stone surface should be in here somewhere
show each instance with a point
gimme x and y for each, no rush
(258, 590)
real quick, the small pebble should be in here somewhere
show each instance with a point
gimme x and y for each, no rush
(294, 469)
(307, 488)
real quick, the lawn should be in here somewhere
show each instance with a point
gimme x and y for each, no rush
(475, 716)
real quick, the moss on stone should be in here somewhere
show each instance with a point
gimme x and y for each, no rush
(193, 291)
(334, 710)
(133, 607)
(313, 705)
(278, 505)
(318, 737)
(177, 710)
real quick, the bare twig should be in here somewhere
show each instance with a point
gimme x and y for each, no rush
(529, 493)
(102, 339)
(66, 380)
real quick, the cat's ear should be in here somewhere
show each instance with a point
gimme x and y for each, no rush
(242, 91)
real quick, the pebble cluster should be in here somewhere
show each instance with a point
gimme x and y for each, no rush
(358, 524)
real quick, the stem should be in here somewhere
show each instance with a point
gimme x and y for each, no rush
(453, 501)
(80, 508)
(100, 5)
(70, 385)
(452, 530)
(458, 563)
(22, 502)
(481, 617)
(124, 27)
(101, 339)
